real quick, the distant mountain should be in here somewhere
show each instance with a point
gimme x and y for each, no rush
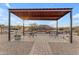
(45, 27)
(40, 28)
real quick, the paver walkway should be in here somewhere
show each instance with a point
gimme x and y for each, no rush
(41, 46)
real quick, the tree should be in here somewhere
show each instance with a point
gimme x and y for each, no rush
(2, 28)
(33, 27)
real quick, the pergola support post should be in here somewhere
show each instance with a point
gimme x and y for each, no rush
(9, 23)
(23, 28)
(71, 27)
(57, 28)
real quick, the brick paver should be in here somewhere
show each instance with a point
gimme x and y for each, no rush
(42, 44)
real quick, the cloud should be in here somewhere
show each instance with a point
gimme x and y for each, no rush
(1, 10)
(76, 19)
(76, 16)
(8, 5)
(3, 14)
(28, 22)
(0, 15)
(52, 24)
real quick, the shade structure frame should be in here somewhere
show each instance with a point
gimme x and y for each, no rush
(69, 10)
(71, 32)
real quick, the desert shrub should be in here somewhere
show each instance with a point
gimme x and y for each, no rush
(77, 31)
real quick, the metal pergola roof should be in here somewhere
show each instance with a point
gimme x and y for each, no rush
(41, 13)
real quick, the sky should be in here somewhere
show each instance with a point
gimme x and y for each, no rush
(63, 22)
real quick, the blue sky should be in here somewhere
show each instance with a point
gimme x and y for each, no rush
(64, 21)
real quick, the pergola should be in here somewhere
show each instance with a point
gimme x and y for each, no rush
(41, 14)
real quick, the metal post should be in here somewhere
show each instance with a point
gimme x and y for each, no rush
(23, 28)
(9, 28)
(71, 27)
(57, 27)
